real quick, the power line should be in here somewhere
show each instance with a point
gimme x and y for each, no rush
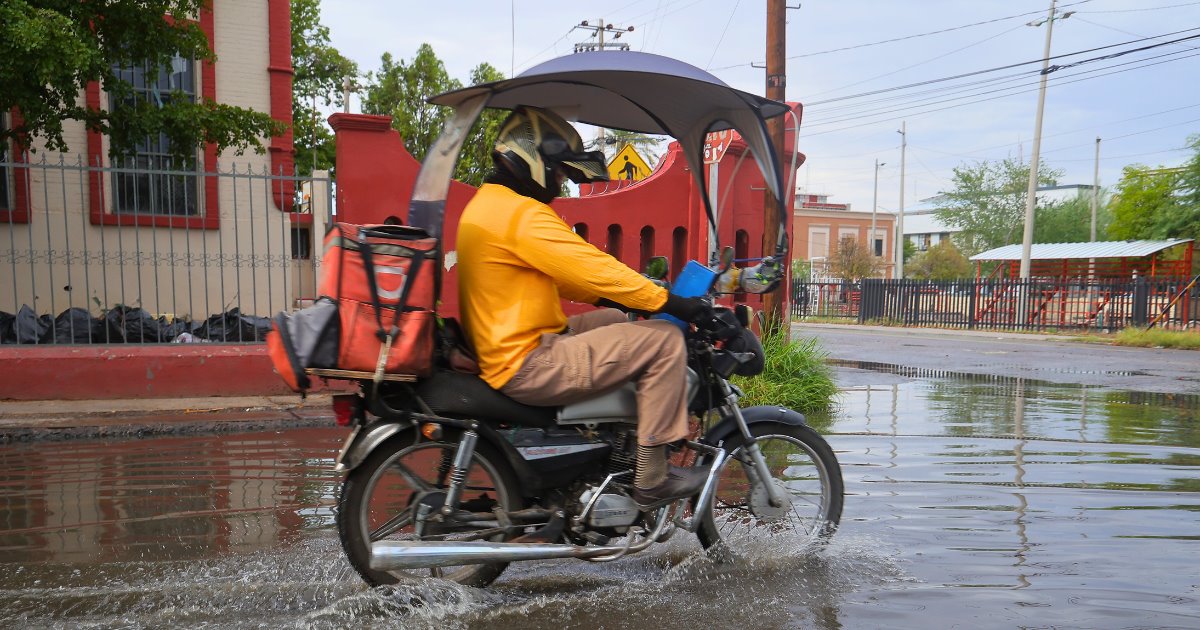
(908, 37)
(723, 31)
(973, 153)
(1173, 6)
(994, 69)
(1060, 83)
(921, 63)
(848, 116)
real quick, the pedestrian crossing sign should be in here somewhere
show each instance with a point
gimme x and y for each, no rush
(628, 164)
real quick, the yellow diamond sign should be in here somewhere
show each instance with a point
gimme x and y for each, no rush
(627, 164)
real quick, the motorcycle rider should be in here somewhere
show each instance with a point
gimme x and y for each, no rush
(517, 258)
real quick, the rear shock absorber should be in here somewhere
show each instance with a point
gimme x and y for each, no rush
(458, 471)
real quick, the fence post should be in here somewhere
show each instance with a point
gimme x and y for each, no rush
(1141, 301)
(972, 304)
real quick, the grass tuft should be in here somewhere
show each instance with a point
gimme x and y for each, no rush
(1158, 338)
(796, 376)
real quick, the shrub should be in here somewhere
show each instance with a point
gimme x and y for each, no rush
(796, 376)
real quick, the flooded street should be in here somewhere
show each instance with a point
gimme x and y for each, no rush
(972, 501)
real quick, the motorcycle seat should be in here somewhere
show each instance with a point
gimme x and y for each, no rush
(461, 395)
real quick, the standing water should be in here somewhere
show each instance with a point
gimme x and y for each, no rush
(972, 502)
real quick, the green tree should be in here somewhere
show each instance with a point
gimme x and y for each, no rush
(475, 161)
(615, 139)
(399, 89)
(1070, 221)
(50, 51)
(1158, 203)
(319, 72)
(987, 203)
(852, 261)
(940, 262)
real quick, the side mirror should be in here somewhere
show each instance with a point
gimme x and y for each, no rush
(657, 267)
(726, 258)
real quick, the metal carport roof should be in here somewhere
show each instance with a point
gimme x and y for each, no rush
(1100, 249)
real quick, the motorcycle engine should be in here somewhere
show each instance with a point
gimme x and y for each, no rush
(611, 509)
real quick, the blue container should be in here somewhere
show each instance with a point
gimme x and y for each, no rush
(694, 281)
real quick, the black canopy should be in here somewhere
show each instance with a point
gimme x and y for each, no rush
(645, 93)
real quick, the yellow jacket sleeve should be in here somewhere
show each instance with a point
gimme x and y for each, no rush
(580, 270)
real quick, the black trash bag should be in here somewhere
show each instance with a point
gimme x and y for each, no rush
(27, 327)
(177, 327)
(6, 328)
(76, 325)
(132, 325)
(233, 326)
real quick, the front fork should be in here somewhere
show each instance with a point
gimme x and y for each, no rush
(774, 494)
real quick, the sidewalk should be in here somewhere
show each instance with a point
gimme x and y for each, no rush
(68, 419)
(949, 332)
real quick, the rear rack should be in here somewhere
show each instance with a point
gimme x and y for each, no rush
(355, 375)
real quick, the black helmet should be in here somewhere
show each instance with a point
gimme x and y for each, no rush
(533, 142)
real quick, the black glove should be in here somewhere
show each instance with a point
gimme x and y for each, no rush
(693, 310)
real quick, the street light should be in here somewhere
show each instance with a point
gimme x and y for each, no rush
(875, 206)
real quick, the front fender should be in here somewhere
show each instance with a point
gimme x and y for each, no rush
(727, 427)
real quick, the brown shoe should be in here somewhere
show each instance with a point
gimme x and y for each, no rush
(680, 483)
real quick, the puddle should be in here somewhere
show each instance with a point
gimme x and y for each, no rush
(971, 500)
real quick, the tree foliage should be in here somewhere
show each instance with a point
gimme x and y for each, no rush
(400, 88)
(319, 72)
(853, 261)
(51, 50)
(1158, 203)
(940, 262)
(987, 202)
(1070, 221)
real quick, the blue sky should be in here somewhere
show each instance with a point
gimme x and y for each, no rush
(1143, 105)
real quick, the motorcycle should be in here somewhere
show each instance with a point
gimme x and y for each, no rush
(450, 478)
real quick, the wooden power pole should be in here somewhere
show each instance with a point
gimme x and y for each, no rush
(773, 208)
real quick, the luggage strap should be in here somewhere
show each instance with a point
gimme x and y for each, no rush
(386, 336)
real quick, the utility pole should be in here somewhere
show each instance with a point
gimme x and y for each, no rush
(598, 30)
(1095, 189)
(875, 206)
(900, 214)
(1031, 196)
(773, 208)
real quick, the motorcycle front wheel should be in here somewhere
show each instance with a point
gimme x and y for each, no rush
(380, 500)
(802, 466)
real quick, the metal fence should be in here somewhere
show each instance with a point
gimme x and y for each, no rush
(1035, 304)
(102, 254)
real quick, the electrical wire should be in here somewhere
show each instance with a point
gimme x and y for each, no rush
(724, 31)
(995, 69)
(1173, 6)
(848, 116)
(908, 37)
(922, 113)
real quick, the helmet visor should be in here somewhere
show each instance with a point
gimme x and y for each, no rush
(588, 166)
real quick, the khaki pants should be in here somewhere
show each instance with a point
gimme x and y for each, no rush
(602, 350)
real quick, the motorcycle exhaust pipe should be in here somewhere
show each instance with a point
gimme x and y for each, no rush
(424, 554)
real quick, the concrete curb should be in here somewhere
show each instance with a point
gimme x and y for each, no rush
(74, 419)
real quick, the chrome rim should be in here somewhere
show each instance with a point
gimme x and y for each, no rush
(740, 509)
(412, 477)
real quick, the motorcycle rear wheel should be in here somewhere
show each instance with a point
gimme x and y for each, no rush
(379, 498)
(802, 464)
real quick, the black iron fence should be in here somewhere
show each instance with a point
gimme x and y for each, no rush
(1035, 304)
(101, 254)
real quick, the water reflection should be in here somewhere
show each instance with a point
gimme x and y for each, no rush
(1000, 502)
(168, 498)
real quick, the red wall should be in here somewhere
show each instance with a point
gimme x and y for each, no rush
(376, 177)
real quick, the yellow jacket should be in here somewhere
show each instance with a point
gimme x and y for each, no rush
(516, 259)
